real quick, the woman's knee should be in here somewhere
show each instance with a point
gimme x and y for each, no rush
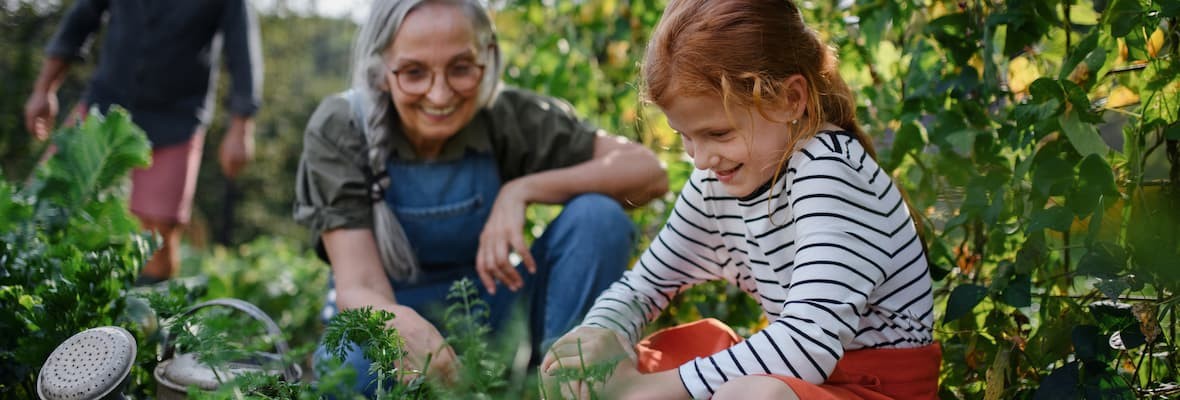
(354, 358)
(755, 387)
(595, 213)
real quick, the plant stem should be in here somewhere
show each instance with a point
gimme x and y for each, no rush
(1068, 28)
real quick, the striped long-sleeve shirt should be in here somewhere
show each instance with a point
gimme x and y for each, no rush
(829, 251)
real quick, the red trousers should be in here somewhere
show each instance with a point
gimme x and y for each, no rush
(874, 374)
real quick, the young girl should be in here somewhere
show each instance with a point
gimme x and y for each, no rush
(788, 203)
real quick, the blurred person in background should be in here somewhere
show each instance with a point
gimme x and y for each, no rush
(160, 60)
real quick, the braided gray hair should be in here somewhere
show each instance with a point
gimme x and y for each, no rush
(368, 74)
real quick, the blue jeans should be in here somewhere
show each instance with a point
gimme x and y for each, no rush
(582, 252)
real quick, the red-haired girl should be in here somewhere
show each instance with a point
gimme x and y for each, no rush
(788, 203)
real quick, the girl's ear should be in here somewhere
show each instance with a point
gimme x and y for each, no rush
(794, 97)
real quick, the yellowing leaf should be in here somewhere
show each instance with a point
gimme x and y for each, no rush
(616, 53)
(1121, 97)
(976, 62)
(1155, 42)
(1021, 74)
(996, 375)
(1080, 73)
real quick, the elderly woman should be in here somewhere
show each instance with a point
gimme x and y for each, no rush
(420, 176)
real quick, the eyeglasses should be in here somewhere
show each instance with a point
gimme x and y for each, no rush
(461, 76)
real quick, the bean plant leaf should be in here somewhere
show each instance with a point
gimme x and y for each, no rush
(1170, 8)
(1103, 260)
(1032, 254)
(1046, 89)
(1090, 344)
(1018, 293)
(1062, 383)
(1052, 176)
(1095, 183)
(1055, 218)
(910, 138)
(1123, 16)
(1083, 136)
(963, 299)
(1173, 132)
(1112, 315)
(1080, 102)
(1112, 288)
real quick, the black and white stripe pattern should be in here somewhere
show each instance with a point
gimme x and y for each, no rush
(836, 266)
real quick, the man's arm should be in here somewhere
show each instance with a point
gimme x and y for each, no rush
(243, 57)
(79, 23)
(41, 107)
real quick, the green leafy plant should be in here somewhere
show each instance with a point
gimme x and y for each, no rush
(593, 376)
(381, 345)
(68, 245)
(481, 372)
(284, 280)
(1031, 135)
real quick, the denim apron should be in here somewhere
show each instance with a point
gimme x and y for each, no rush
(442, 206)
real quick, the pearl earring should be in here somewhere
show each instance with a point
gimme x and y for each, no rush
(795, 122)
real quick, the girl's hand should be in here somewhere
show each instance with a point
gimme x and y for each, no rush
(584, 344)
(423, 340)
(502, 234)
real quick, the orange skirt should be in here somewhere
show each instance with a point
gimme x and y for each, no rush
(873, 374)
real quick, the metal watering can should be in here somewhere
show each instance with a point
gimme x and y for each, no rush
(176, 372)
(95, 364)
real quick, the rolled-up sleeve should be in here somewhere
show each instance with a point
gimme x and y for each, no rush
(81, 21)
(537, 133)
(330, 189)
(243, 57)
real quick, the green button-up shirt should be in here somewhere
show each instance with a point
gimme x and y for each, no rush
(524, 131)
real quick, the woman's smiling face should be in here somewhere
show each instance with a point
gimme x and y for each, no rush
(434, 39)
(743, 152)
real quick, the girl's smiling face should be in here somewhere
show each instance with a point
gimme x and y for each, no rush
(434, 38)
(742, 150)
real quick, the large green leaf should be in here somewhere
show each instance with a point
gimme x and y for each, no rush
(1018, 293)
(1089, 344)
(1123, 16)
(1056, 218)
(963, 299)
(1095, 183)
(1083, 136)
(1062, 383)
(1103, 260)
(1172, 132)
(910, 138)
(93, 157)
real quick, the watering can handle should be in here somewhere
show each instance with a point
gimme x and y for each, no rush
(272, 329)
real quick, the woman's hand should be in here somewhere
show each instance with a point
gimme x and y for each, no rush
(423, 340)
(502, 234)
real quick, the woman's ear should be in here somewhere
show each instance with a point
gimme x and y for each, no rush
(378, 76)
(794, 94)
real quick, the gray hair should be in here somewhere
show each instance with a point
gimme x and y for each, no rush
(368, 75)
